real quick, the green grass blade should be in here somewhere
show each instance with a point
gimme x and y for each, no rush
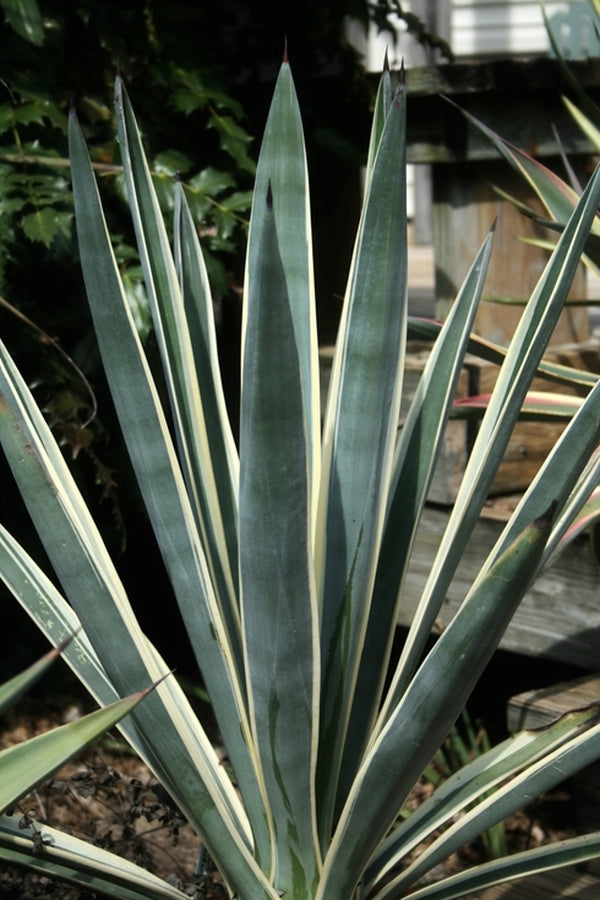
(427, 711)
(359, 436)
(178, 361)
(25, 765)
(282, 164)
(416, 454)
(279, 610)
(461, 790)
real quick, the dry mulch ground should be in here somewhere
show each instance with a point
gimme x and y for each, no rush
(105, 795)
(108, 796)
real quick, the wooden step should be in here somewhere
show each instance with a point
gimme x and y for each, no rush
(560, 883)
(534, 709)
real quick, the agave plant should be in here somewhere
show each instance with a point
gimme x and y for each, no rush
(287, 558)
(557, 196)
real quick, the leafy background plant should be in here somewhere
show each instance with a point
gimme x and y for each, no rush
(202, 76)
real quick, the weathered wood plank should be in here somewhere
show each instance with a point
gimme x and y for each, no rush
(541, 707)
(464, 207)
(530, 442)
(559, 617)
(534, 709)
(561, 883)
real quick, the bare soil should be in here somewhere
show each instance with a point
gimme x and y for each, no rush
(107, 796)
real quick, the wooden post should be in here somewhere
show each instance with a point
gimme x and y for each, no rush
(521, 101)
(464, 207)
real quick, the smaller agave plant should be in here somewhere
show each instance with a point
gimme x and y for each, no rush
(558, 197)
(287, 556)
(25, 765)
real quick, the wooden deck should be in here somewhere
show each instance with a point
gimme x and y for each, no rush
(555, 619)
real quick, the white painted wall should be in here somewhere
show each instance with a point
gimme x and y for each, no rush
(483, 28)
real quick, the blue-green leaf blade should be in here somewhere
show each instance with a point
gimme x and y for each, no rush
(282, 164)
(514, 378)
(427, 710)
(358, 441)
(75, 861)
(15, 687)
(464, 787)
(27, 764)
(179, 369)
(415, 458)
(279, 610)
(198, 306)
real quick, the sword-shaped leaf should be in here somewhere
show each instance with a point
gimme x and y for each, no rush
(25, 765)
(72, 860)
(465, 787)
(358, 443)
(416, 454)
(514, 378)
(282, 165)
(209, 495)
(429, 706)
(279, 609)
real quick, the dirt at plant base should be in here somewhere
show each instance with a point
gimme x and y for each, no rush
(107, 796)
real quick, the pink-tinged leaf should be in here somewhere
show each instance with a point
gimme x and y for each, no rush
(589, 515)
(586, 520)
(556, 195)
(429, 329)
(539, 406)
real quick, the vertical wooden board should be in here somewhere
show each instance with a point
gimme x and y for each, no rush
(464, 207)
(527, 449)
